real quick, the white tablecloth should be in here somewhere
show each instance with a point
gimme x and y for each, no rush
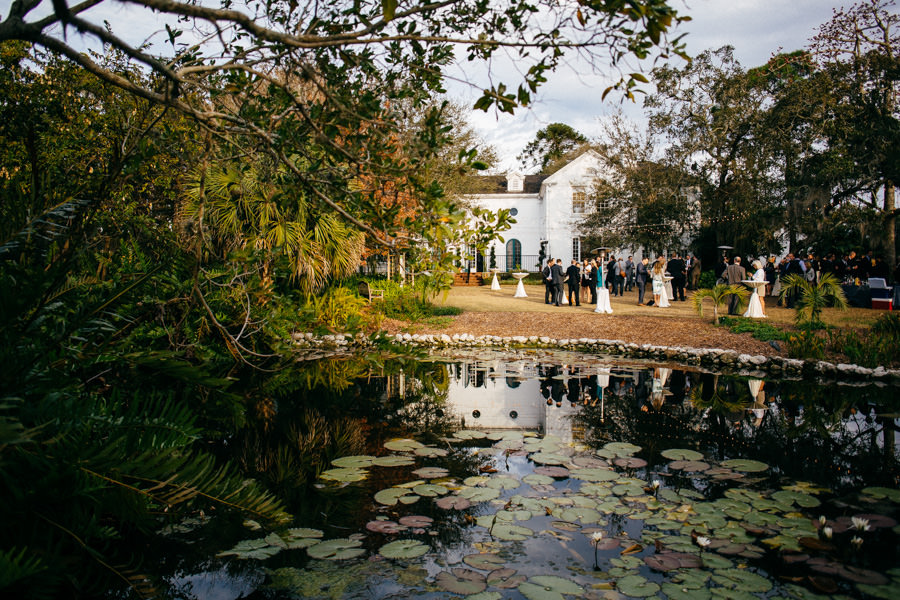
(495, 283)
(603, 305)
(520, 291)
(664, 297)
(754, 309)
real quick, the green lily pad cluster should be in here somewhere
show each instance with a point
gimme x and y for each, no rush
(682, 543)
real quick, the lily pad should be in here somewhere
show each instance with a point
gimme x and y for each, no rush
(745, 465)
(674, 591)
(630, 462)
(461, 581)
(596, 474)
(556, 472)
(586, 516)
(479, 494)
(453, 503)
(430, 452)
(504, 578)
(393, 460)
(338, 549)
(669, 561)
(393, 495)
(510, 532)
(549, 587)
(549, 458)
(505, 435)
(345, 475)
(417, 521)
(503, 483)
(742, 580)
(258, 549)
(429, 490)
(795, 497)
(403, 445)
(403, 549)
(353, 462)
(690, 466)
(622, 448)
(681, 454)
(386, 527)
(431, 472)
(484, 561)
(469, 434)
(636, 586)
(538, 479)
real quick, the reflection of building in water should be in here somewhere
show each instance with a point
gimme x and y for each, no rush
(493, 395)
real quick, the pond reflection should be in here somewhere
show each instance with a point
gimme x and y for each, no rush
(563, 474)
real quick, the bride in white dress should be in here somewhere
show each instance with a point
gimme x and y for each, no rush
(757, 307)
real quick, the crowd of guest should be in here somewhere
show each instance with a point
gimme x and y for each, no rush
(619, 275)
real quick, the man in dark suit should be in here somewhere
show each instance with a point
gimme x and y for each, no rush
(734, 274)
(573, 277)
(629, 274)
(557, 277)
(640, 279)
(548, 281)
(592, 279)
(678, 271)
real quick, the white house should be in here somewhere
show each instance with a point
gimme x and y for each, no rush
(547, 209)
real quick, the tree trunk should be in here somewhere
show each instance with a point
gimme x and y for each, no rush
(890, 224)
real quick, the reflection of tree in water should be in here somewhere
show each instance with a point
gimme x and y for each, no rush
(804, 431)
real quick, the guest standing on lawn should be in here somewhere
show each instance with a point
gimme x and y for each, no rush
(548, 281)
(640, 279)
(734, 275)
(573, 277)
(659, 284)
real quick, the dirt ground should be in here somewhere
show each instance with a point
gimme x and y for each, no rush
(488, 312)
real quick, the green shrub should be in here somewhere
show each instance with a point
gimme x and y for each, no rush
(888, 325)
(876, 348)
(707, 280)
(806, 344)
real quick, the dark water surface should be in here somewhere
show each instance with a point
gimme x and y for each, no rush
(553, 476)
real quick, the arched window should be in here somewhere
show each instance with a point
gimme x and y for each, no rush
(513, 255)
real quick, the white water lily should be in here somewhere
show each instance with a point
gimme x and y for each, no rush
(656, 483)
(856, 541)
(596, 537)
(860, 524)
(703, 541)
(822, 520)
(827, 531)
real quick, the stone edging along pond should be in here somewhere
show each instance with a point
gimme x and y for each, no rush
(711, 358)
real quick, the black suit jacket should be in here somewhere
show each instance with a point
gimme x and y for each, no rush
(641, 272)
(574, 275)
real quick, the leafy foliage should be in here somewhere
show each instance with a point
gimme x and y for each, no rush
(813, 296)
(720, 294)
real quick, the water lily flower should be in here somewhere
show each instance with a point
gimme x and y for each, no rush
(860, 524)
(827, 531)
(856, 541)
(703, 541)
(656, 483)
(822, 520)
(596, 537)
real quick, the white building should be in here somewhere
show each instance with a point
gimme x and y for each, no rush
(547, 210)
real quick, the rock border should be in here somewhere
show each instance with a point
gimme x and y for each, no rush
(712, 358)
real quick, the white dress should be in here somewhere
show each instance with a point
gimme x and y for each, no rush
(754, 309)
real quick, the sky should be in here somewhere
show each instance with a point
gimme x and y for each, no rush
(756, 28)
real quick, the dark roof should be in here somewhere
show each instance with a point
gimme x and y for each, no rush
(496, 184)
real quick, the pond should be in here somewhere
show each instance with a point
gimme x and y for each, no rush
(548, 476)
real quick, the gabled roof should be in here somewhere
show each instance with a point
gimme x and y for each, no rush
(587, 162)
(496, 184)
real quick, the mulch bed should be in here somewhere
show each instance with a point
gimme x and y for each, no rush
(658, 331)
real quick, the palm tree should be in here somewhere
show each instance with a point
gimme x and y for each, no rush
(814, 296)
(233, 208)
(719, 295)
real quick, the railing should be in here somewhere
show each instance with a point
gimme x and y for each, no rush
(507, 263)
